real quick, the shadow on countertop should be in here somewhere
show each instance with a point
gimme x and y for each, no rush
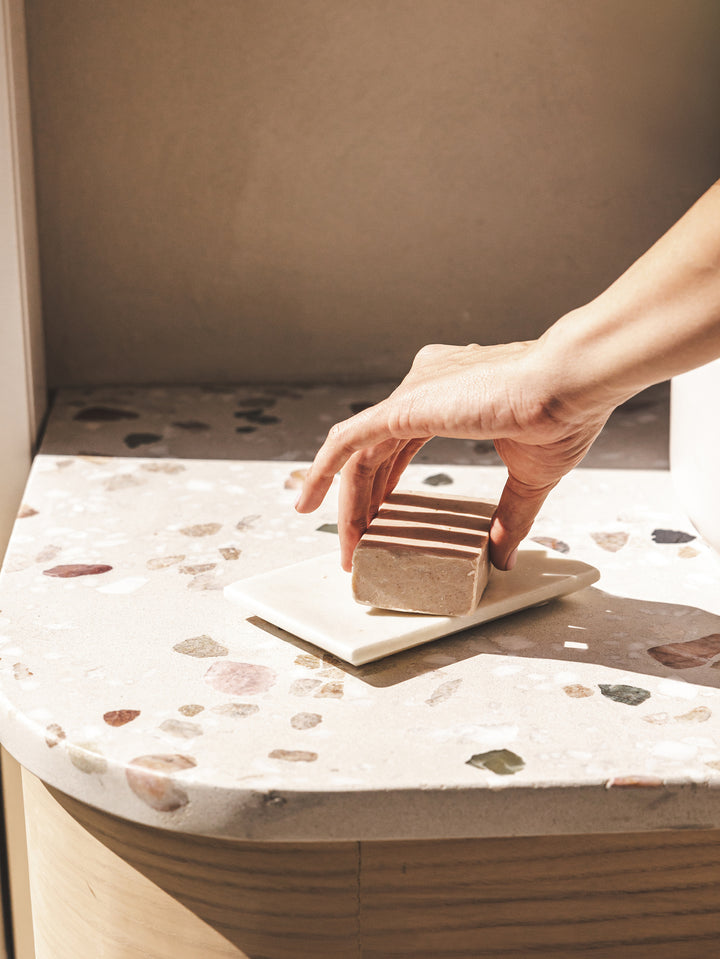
(668, 640)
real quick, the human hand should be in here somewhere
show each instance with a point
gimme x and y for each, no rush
(503, 393)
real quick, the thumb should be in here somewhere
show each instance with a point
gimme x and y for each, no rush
(513, 518)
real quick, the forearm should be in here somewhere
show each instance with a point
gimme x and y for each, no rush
(660, 318)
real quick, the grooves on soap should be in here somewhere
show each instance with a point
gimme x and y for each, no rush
(425, 553)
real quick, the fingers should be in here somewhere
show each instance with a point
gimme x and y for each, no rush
(366, 429)
(367, 479)
(514, 516)
(402, 459)
(363, 472)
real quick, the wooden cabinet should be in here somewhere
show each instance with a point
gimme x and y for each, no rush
(102, 885)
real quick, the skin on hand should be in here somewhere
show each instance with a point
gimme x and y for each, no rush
(469, 392)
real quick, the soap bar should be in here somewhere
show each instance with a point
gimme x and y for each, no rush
(424, 553)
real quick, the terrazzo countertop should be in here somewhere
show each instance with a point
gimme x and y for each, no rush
(128, 681)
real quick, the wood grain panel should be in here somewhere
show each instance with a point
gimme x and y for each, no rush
(12, 795)
(102, 886)
(640, 895)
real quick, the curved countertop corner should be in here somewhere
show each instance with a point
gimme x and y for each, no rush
(128, 681)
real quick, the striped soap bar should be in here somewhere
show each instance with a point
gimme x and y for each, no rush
(424, 553)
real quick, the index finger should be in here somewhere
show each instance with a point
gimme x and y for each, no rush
(344, 439)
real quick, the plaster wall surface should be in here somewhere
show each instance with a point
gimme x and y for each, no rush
(309, 191)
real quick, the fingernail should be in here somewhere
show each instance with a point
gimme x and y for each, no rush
(511, 560)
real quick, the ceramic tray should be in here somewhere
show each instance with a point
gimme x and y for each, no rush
(313, 600)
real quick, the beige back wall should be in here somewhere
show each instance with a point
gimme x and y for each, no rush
(305, 190)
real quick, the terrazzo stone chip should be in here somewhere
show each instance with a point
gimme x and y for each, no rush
(120, 717)
(25, 512)
(200, 646)
(163, 467)
(48, 553)
(230, 552)
(87, 758)
(205, 581)
(242, 414)
(133, 440)
(308, 661)
(236, 710)
(578, 691)
(444, 691)
(331, 672)
(672, 536)
(296, 479)
(693, 652)
(330, 691)
(262, 402)
(191, 709)
(303, 687)
(54, 733)
(293, 755)
(248, 522)
(327, 528)
(21, 671)
(634, 782)
(305, 720)
(162, 562)
(201, 529)
(502, 762)
(620, 693)
(149, 777)
(181, 728)
(71, 570)
(328, 660)
(240, 679)
(196, 569)
(657, 719)
(688, 552)
(123, 481)
(612, 542)
(700, 714)
(104, 414)
(192, 426)
(438, 479)
(265, 419)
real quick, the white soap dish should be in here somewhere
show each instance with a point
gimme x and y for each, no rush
(313, 601)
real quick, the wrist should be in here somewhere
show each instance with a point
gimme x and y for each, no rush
(587, 360)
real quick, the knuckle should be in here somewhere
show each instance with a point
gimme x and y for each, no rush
(336, 433)
(355, 525)
(428, 351)
(364, 467)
